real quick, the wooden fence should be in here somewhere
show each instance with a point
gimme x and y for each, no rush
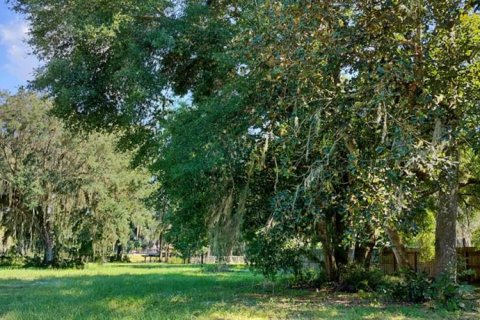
(468, 256)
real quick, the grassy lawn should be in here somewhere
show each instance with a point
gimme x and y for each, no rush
(154, 291)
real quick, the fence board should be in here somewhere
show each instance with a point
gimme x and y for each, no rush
(468, 255)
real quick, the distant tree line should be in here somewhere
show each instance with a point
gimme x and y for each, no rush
(63, 196)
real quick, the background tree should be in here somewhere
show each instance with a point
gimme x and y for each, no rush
(74, 197)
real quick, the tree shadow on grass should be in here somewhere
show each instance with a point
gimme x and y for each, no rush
(172, 295)
(155, 265)
(140, 296)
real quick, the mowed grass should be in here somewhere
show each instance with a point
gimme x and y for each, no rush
(159, 291)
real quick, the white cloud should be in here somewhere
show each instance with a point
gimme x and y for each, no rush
(15, 52)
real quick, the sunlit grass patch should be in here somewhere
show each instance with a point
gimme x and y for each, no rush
(159, 291)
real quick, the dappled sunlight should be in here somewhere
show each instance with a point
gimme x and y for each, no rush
(302, 159)
(159, 291)
(133, 291)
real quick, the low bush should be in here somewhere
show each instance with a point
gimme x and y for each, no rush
(122, 258)
(33, 262)
(37, 262)
(309, 278)
(419, 287)
(12, 261)
(452, 295)
(15, 261)
(410, 287)
(175, 260)
(354, 278)
(214, 268)
(69, 264)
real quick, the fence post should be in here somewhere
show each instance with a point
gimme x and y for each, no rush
(467, 259)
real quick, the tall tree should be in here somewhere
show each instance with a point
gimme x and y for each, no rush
(60, 189)
(360, 108)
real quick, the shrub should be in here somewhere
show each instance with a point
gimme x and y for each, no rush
(412, 287)
(175, 260)
(69, 264)
(122, 258)
(37, 262)
(309, 278)
(33, 262)
(217, 267)
(463, 273)
(418, 287)
(450, 294)
(354, 278)
(12, 261)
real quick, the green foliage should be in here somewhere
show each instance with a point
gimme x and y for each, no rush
(424, 240)
(418, 287)
(175, 260)
(12, 260)
(448, 293)
(309, 278)
(216, 267)
(38, 262)
(61, 194)
(356, 278)
(305, 123)
(476, 238)
(272, 254)
(413, 287)
(122, 258)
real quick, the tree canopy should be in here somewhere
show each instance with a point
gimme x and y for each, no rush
(304, 124)
(60, 193)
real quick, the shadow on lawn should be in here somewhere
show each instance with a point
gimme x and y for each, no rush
(154, 295)
(155, 265)
(167, 296)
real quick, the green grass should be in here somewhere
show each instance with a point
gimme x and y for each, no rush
(154, 291)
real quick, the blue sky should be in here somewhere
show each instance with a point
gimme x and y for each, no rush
(16, 64)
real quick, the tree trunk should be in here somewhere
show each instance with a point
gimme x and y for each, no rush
(48, 241)
(446, 226)
(160, 248)
(118, 250)
(368, 258)
(398, 248)
(330, 263)
(363, 254)
(368, 255)
(48, 250)
(351, 252)
(330, 233)
(228, 257)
